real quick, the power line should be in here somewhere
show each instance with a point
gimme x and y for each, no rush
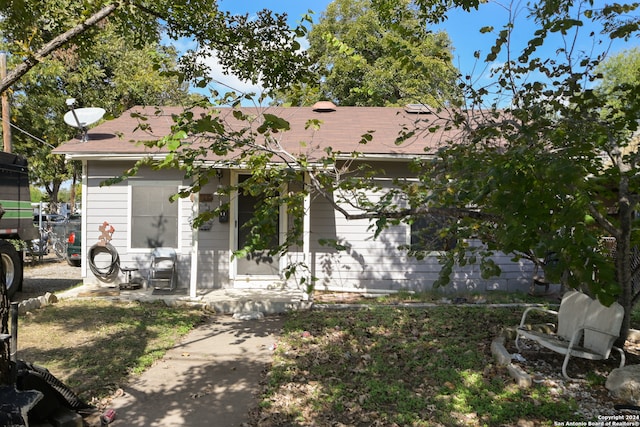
(40, 140)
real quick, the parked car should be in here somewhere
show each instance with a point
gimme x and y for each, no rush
(74, 239)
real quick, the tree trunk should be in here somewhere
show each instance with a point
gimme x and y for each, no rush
(623, 262)
(53, 190)
(623, 257)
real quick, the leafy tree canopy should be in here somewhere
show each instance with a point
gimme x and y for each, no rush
(552, 172)
(111, 71)
(107, 54)
(620, 74)
(261, 48)
(360, 59)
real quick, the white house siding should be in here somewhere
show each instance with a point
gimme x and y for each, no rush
(367, 264)
(111, 204)
(213, 245)
(379, 265)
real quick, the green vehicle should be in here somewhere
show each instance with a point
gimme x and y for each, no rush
(74, 238)
(16, 218)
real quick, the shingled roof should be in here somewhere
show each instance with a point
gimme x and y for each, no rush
(341, 128)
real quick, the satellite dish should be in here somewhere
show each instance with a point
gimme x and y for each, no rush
(82, 117)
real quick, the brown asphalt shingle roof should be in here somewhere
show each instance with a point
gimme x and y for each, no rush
(341, 129)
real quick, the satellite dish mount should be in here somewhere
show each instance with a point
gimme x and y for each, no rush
(82, 117)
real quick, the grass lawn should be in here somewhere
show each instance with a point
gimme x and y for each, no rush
(94, 345)
(391, 366)
(380, 365)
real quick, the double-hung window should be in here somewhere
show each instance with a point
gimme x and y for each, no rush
(427, 234)
(154, 218)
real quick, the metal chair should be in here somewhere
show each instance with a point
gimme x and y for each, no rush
(585, 329)
(163, 267)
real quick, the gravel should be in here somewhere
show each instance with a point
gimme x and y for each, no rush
(545, 368)
(48, 275)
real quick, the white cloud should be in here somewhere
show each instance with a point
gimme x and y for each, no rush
(223, 82)
(226, 82)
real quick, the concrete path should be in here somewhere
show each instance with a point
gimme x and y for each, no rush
(210, 379)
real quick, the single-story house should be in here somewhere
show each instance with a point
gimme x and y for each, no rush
(138, 216)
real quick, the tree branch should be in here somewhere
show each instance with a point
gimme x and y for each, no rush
(400, 213)
(54, 44)
(607, 225)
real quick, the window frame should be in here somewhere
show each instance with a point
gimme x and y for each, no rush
(175, 187)
(411, 234)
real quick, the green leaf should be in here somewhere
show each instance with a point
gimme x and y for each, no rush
(273, 124)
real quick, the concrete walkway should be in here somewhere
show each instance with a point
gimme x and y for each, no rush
(210, 379)
(212, 376)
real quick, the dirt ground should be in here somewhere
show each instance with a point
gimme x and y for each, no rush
(48, 275)
(52, 275)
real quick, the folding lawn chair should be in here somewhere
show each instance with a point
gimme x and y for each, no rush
(163, 267)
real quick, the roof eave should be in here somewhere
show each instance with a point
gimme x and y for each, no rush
(395, 157)
(112, 156)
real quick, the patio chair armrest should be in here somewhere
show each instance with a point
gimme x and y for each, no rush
(622, 356)
(538, 309)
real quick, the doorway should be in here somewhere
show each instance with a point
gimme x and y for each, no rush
(258, 264)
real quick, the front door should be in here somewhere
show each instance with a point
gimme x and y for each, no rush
(259, 264)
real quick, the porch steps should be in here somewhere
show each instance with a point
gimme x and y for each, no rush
(223, 301)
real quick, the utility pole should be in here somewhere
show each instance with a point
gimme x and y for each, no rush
(6, 124)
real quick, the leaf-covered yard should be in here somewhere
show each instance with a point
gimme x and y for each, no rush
(93, 346)
(390, 366)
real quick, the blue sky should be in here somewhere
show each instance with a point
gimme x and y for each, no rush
(462, 27)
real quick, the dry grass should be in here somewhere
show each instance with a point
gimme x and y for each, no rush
(94, 345)
(392, 366)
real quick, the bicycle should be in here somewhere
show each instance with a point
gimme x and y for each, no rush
(51, 240)
(59, 245)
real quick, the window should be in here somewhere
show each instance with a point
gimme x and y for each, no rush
(426, 234)
(154, 218)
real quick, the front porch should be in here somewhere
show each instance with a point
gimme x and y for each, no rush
(222, 301)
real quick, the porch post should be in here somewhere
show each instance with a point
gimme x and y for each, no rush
(306, 232)
(193, 282)
(84, 228)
